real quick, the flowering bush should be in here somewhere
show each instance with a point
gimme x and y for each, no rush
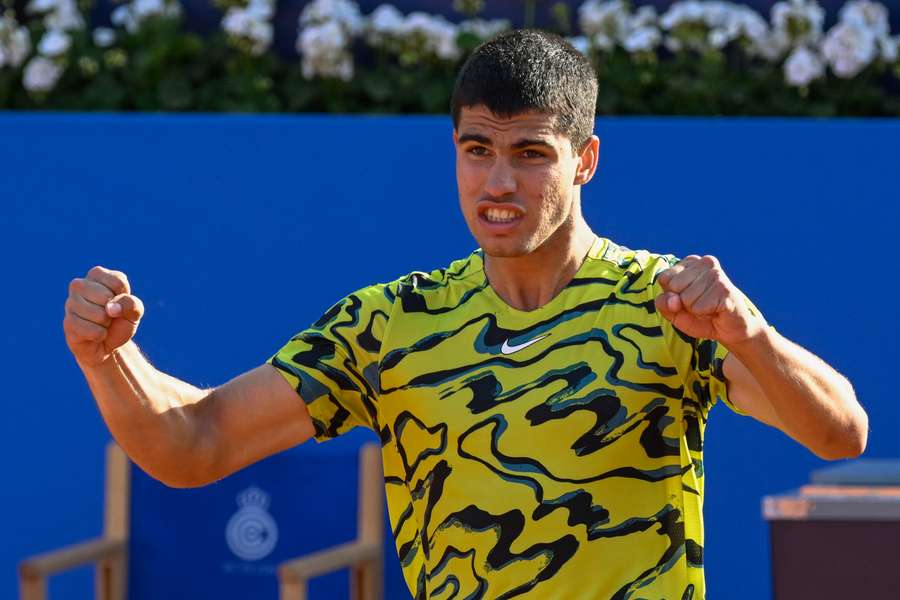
(696, 57)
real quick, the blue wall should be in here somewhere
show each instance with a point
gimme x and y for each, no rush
(238, 231)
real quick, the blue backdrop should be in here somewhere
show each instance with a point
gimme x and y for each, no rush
(238, 231)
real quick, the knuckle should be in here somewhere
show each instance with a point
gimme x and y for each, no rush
(97, 271)
(104, 293)
(120, 279)
(711, 260)
(76, 285)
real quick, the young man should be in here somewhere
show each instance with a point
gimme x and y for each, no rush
(541, 403)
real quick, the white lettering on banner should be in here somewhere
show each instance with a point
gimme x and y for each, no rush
(251, 532)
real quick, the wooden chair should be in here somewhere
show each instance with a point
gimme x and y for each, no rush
(109, 554)
(364, 556)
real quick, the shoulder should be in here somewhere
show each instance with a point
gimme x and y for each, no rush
(440, 287)
(619, 262)
(414, 288)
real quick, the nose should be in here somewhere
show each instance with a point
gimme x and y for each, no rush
(501, 180)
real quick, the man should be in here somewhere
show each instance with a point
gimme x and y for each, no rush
(541, 403)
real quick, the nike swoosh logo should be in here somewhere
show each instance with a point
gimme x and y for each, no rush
(507, 349)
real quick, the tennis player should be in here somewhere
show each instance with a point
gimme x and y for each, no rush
(541, 403)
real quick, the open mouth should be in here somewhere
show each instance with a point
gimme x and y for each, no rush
(500, 215)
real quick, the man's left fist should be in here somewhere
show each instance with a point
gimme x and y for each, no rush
(700, 300)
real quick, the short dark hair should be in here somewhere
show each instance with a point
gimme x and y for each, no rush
(530, 70)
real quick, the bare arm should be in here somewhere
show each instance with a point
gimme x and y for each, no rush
(180, 434)
(782, 384)
(769, 377)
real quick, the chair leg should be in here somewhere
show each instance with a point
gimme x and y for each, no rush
(109, 579)
(32, 588)
(292, 590)
(366, 581)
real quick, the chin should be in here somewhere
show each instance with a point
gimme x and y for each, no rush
(504, 248)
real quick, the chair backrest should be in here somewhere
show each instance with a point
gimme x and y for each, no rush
(225, 540)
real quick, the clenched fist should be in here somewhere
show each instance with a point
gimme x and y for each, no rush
(101, 315)
(700, 300)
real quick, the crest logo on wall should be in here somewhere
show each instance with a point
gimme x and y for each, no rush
(251, 533)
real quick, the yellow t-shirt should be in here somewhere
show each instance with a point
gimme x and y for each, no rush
(548, 454)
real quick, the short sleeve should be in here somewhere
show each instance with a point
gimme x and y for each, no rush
(334, 364)
(698, 361)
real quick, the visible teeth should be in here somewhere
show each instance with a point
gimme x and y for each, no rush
(499, 215)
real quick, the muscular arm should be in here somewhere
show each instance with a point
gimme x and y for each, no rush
(180, 434)
(769, 377)
(779, 383)
(185, 436)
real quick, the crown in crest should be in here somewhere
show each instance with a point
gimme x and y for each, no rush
(253, 497)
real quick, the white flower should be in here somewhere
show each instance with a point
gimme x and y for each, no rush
(749, 24)
(728, 22)
(236, 21)
(800, 21)
(580, 43)
(54, 43)
(15, 42)
(680, 12)
(146, 8)
(603, 21)
(386, 20)
(65, 16)
(714, 24)
(866, 14)
(641, 33)
(421, 33)
(122, 17)
(642, 40)
(261, 10)
(324, 49)
(773, 46)
(644, 17)
(131, 16)
(802, 67)
(104, 37)
(242, 23)
(849, 49)
(41, 74)
(438, 33)
(484, 29)
(344, 12)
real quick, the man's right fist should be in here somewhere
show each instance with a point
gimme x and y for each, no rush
(101, 315)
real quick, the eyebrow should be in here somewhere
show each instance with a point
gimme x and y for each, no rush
(524, 143)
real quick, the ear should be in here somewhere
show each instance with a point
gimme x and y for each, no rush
(587, 162)
(455, 137)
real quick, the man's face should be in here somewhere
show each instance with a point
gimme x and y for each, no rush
(517, 179)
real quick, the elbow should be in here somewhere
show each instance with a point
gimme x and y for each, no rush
(186, 466)
(180, 483)
(183, 476)
(849, 440)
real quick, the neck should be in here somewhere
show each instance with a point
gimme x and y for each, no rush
(531, 281)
